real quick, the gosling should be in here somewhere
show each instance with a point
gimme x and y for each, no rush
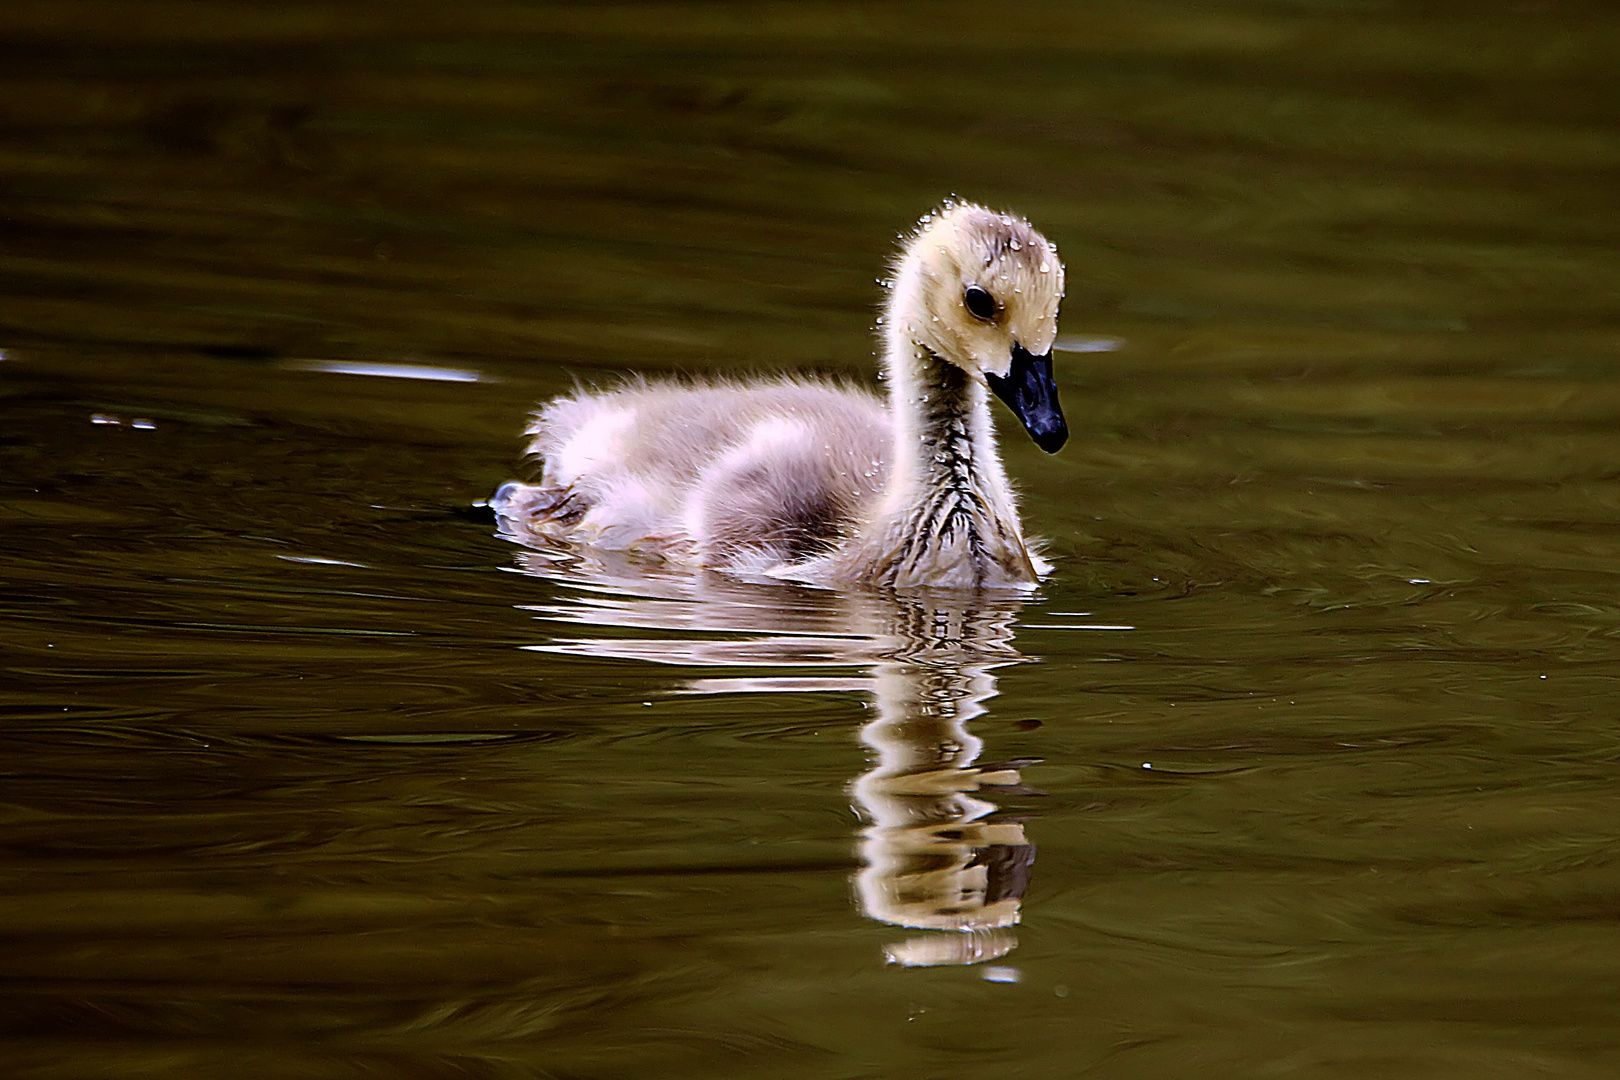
(802, 480)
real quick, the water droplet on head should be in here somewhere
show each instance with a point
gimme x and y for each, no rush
(1015, 245)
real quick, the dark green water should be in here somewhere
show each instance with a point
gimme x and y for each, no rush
(304, 773)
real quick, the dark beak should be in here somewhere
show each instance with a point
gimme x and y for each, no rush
(1031, 393)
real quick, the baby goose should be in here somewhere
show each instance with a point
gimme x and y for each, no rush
(804, 481)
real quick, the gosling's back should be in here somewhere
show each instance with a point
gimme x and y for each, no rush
(733, 475)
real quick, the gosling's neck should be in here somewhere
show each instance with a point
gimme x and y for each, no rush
(948, 504)
(944, 440)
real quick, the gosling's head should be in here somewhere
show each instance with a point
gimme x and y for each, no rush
(986, 293)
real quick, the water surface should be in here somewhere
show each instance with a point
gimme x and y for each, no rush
(1300, 764)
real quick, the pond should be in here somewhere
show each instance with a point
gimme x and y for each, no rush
(1301, 762)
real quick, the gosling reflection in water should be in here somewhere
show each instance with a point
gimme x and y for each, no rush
(935, 856)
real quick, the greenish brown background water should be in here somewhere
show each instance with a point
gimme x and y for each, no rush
(304, 773)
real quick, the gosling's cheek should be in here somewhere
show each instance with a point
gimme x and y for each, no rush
(996, 363)
(1041, 343)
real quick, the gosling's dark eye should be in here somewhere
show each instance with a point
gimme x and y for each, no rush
(980, 303)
